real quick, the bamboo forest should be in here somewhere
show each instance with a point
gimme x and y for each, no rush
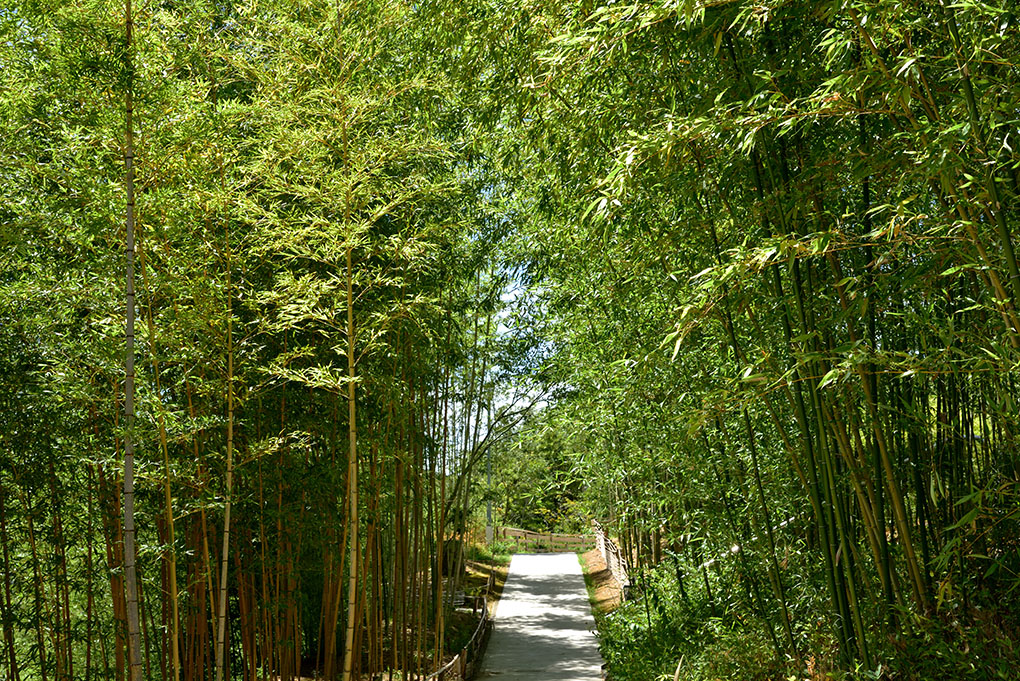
(310, 310)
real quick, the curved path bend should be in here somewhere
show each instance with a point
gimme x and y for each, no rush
(543, 625)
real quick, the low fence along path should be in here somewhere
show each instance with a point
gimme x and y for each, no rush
(543, 625)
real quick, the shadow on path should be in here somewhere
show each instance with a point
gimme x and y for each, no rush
(543, 626)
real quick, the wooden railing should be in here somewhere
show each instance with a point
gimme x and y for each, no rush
(465, 664)
(547, 541)
(611, 553)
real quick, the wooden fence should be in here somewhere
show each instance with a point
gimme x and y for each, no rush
(544, 541)
(466, 663)
(611, 553)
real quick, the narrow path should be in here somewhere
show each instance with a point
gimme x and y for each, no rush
(543, 626)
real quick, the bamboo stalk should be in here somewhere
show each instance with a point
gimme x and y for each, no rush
(130, 573)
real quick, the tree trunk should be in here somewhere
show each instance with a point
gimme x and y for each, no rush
(12, 659)
(130, 574)
(352, 453)
(221, 627)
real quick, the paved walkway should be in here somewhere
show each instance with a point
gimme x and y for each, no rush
(543, 626)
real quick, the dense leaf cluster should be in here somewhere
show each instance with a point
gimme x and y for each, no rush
(313, 282)
(775, 244)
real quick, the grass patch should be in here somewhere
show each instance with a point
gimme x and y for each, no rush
(499, 552)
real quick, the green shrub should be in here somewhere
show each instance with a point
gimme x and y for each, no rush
(498, 552)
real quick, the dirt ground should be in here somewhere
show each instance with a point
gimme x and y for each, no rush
(607, 593)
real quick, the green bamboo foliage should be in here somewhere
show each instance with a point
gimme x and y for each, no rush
(309, 236)
(775, 245)
(764, 273)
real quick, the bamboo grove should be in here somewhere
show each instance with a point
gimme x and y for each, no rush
(763, 267)
(775, 246)
(310, 295)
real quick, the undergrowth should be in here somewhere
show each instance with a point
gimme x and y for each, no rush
(659, 635)
(499, 552)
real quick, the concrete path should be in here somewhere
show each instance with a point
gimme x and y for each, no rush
(543, 625)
